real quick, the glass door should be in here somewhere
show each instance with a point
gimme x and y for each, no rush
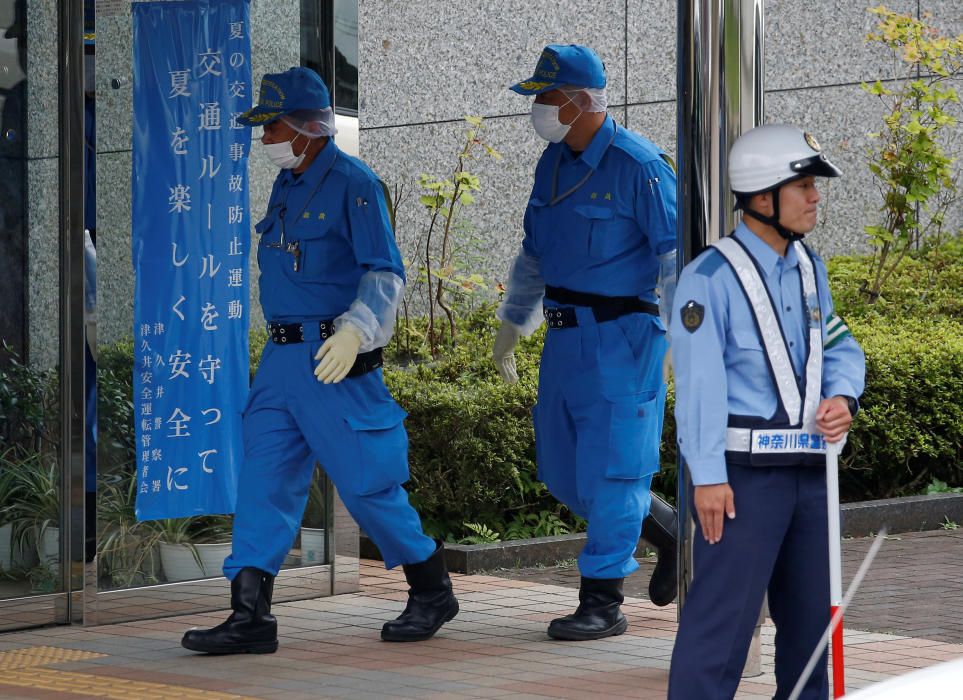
(41, 326)
(152, 568)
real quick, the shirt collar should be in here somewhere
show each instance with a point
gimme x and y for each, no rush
(597, 147)
(320, 163)
(762, 252)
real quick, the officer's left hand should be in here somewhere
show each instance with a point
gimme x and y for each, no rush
(337, 355)
(833, 418)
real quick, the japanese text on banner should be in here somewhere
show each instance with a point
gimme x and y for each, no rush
(192, 79)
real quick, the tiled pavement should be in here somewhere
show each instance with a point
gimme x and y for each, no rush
(914, 588)
(496, 648)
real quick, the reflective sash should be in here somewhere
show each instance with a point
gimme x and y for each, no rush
(814, 317)
(800, 410)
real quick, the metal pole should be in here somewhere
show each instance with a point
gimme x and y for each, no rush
(70, 65)
(719, 96)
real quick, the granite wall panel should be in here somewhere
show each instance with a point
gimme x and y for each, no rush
(657, 123)
(823, 43)
(848, 202)
(400, 154)
(42, 93)
(651, 49)
(43, 294)
(434, 61)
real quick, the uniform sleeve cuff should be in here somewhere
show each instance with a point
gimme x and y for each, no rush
(710, 470)
(840, 388)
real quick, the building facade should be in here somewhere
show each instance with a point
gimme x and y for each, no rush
(404, 74)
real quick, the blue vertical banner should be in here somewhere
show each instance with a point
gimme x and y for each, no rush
(192, 79)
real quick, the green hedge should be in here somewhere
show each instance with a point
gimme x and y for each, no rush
(471, 437)
(910, 428)
(472, 445)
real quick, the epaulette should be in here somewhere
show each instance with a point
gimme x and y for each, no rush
(711, 260)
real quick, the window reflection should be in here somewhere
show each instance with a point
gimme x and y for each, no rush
(346, 56)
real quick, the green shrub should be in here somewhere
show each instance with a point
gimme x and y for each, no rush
(472, 452)
(472, 445)
(926, 286)
(29, 405)
(910, 427)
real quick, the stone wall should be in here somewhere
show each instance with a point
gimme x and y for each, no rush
(424, 65)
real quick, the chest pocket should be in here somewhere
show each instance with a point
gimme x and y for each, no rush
(315, 238)
(607, 234)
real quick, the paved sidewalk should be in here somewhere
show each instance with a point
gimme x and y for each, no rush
(914, 588)
(330, 648)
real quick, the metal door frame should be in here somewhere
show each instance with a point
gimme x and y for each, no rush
(81, 601)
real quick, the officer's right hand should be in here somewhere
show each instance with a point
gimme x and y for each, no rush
(710, 503)
(503, 352)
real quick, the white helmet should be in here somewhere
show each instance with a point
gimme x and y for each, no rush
(768, 156)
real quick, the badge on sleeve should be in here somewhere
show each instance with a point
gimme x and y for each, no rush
(692, 315)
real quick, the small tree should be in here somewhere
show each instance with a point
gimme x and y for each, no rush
(440, 262)
(907, 158)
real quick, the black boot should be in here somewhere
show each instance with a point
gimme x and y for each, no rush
(430, 601)
(661, 529)
(251, 628)
(598, 613)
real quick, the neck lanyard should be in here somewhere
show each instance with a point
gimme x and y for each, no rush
(284, 206)
(555, 199)
(295, 248)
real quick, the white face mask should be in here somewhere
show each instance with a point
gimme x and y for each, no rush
(282, 154)
(547, 124)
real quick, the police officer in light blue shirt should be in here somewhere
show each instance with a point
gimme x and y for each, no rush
(766, 375)
(331, 276)
(599, 238)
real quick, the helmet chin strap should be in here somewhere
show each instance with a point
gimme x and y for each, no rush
(773, 220)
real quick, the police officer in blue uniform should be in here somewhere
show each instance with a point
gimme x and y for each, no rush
(599, 235)
(331, 276)
(766, 375)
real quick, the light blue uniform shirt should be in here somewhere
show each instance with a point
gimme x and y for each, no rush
(343, 230)
(721, 367)
(603, 238)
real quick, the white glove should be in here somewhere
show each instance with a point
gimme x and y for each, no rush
(337, 355)
(503, 351)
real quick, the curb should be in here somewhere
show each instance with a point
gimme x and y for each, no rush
(907, 514)
(860, 519)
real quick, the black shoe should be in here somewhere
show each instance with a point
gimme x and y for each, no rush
(598, 613)
(661, 529)
(251, 628)
(430, 601)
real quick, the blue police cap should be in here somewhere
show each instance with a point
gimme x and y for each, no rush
(282, 93)
(564, 64)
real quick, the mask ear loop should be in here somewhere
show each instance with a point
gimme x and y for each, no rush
(580, 112)
(306, 145)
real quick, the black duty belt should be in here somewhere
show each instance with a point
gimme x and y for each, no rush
(290, 333)
(604, 308)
